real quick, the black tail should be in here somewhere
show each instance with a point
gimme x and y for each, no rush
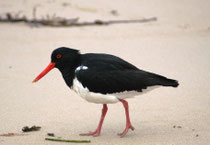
(163, 81)
(169, 82)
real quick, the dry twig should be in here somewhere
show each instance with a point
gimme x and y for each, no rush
(64, 22)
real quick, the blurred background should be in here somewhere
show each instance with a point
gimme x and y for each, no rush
(176, 46)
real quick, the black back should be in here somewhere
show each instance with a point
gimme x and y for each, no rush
(111, 74)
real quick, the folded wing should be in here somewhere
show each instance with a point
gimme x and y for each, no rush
(118, 81)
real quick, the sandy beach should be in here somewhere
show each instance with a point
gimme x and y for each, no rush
(176, 46)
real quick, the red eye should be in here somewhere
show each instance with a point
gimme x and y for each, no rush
(58, 56)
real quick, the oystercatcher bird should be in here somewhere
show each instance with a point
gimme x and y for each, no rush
(103, 79)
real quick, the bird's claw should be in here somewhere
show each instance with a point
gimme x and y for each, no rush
(94, 134)
(126, 130)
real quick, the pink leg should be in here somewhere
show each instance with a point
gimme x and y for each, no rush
(98, 130)
(128, 123)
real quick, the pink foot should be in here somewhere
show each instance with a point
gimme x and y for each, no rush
(126, 130)
(95, 134)
(98, 130)
(128, 122)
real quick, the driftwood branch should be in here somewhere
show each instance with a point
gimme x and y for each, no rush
(54, 21)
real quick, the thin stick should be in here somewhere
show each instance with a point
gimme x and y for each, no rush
(63, 140)
(64, 22)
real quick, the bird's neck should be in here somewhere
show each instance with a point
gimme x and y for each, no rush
(68, 73)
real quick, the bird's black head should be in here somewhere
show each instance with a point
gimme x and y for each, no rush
(62, 58)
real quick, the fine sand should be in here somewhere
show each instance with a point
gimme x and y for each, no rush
(176, 46)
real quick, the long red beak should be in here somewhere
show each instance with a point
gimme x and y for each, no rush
(44, 72)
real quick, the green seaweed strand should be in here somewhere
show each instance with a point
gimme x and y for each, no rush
(63, 140)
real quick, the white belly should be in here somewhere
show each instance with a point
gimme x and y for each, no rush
(102, 98)
(92, 97)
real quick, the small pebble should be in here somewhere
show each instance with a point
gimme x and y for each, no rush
(51, 134)
(179, 127)
(174, 126)
(114, 12)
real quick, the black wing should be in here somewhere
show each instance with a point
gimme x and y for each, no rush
(110, 74)
(118, 81)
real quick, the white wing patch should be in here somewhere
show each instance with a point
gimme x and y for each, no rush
(82, 67)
